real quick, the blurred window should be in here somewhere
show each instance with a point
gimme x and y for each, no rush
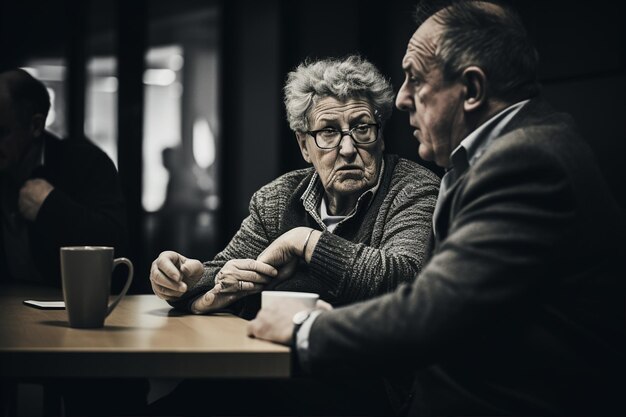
(101, 104)
(162, 119)
(181, 128)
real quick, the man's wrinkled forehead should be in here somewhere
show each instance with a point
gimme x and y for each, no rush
(423, 44)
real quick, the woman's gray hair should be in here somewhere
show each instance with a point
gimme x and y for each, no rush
(342, 78)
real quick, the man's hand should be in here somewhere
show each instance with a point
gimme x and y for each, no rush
(275, 323)
(236, 279)
(171, 274)
(284, 252)
(32, 195)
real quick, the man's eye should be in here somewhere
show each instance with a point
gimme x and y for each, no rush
(413, 79)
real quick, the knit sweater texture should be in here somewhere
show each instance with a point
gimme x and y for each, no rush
(382, 245)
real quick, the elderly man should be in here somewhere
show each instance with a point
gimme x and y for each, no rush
(53, 192)
(520, 309)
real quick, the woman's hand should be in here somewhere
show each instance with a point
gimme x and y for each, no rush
(244, 275)
(236, 279)
(171, 274)
(284, 252)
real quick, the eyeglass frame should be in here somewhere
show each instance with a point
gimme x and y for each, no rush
(343, 133)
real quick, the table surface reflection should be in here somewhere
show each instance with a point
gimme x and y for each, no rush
(143, 337)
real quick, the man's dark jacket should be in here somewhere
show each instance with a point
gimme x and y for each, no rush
(86, 206)
(521, 308)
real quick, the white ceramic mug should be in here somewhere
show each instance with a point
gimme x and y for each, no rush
(289, 299)
(86, 277)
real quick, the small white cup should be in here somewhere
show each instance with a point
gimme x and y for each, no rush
(289, 299)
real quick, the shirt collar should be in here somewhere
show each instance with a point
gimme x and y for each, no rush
(313, 198)
(476, 143)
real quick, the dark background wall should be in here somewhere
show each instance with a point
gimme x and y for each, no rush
(582, 47)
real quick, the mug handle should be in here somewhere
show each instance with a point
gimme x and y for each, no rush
(129, 279)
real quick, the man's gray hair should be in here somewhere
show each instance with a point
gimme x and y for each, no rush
(487, 34)
(342, 78)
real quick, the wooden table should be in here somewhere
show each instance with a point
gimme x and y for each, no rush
(142, 338)
(145, 338)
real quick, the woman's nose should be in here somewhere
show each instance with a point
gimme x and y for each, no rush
(346, 145)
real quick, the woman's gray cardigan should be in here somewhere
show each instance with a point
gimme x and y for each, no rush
(382, 245)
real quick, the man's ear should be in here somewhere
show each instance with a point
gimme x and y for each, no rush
(475, 88)
(301, 138)
(37, 124)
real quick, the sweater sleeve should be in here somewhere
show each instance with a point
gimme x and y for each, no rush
(355, 271)
(249, 241)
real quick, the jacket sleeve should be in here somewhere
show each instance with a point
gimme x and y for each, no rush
(509, 235)
(86, 206)
(355, 271)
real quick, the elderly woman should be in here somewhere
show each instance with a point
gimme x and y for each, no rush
(354, 225)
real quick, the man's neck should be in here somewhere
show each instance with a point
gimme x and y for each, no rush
(493, 107)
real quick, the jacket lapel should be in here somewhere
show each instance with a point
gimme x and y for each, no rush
(444, 210)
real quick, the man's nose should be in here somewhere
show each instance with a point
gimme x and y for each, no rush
(403, 99)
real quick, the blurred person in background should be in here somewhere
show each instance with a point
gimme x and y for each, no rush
(53, 192)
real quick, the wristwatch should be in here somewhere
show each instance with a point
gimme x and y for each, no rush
(298, 319)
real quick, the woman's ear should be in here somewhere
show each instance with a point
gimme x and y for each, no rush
(302, 143)
(475, 82)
